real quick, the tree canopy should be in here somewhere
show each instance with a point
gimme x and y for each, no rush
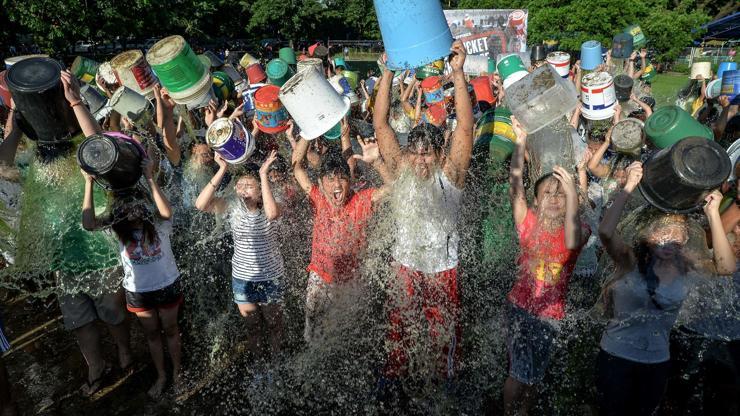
(55, 25)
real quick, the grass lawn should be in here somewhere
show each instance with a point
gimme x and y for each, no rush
(666, 86)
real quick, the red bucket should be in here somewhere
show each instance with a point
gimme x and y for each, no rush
(256, 74)
(483, 89)
(436, 115)
(270, 114)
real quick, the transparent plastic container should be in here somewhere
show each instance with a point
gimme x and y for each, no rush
(551, 146)
(541, 98)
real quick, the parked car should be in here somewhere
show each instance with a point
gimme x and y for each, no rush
(83, 46)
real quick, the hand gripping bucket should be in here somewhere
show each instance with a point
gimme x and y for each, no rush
(311, 63)
(36, 87)
(312, 102)
(560, 61)
(113, 158)
(433, 92)
(84, 69)
(678, 178)
(725, 66)
(731, 84)
(541, 98)
(511, 69)
(669, 124)
(134, 72)
(270, 115)
(415, 32)
(132, 105)
(231, 140)
(591, 55)
(598, 96)
(628, 136)
(701, 68)
(278, 72)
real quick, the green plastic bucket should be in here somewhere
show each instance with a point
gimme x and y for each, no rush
(352, 78)
(509, 65)
(491, 66)
(500, 147)
(648, 74)
(339, 61)
(334, 133)
(433, 69)
(223, 86)
(667, 125)
(287, 55)
(278, 72)
(638, 38)
(85, 69)
(176, 65)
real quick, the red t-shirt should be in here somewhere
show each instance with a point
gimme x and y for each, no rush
(545, 267)
(339, 235)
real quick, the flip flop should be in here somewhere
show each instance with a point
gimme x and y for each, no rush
(91, 387)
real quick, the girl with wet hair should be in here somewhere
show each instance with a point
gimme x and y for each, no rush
(257, 264)
(653, 279)
(151, 277)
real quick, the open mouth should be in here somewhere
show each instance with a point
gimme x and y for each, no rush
(338, 195)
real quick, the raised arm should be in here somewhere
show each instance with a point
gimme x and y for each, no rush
(643, 60)
(617, 249)
(456, 165)
(298, 160)
(89, 222)
(594, 165)
(417, 108)
(631, 65)
(387, 141)
(166, 122)
(573, 236)
(724, 257)
(163, 205)
(206, 201)
(271, 207)
(517, 193)
(371, 156)
(644, 106)
(575, 118)
(72, 93)
(9, 146)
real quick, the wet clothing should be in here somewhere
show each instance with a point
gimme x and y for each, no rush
(80, 309)
(339, 236)
(425, 305)
(530, 344)
(149, 265)
(426, 217)
(165, 298)
(640, 328)
(257, 254)
(261, 292)
(545, 267)
(629, 388)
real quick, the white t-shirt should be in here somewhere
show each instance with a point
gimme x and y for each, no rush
(150, 266)
(257, 254)
(426, 214)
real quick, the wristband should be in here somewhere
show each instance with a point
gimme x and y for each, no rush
(76, 103)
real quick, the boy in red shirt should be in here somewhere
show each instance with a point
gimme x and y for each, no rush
(550, 238)
(339, 225)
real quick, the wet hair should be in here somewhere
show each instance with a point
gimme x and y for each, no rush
(541, 181)
(426, 136)
(333, 163)
(648, 100)
(121, 204)
(250, 170)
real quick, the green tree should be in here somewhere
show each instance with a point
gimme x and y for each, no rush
(670, 31)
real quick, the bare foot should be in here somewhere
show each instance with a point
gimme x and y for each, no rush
(125, 360)
(178, 383)
(157, 388)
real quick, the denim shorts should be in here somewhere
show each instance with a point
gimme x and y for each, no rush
(266, 291)
(530, 340)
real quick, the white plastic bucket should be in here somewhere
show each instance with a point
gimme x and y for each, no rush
(598, 96)
(701, 68)
(475, 64)
(313, 103)
(714, 88)
(508, 82)
(134, 72)
(198, 96)
(131, 104)
(560, 61)
(310, 63)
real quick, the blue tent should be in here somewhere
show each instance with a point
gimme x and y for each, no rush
(726, 28)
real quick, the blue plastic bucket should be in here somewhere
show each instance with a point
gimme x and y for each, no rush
(731, 84)
(415, 32)
(591, 55)
(725, 66)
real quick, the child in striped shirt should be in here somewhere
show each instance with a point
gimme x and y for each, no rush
(257, 264)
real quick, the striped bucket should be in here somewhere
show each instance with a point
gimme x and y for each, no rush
(598, 96)
(270, 115)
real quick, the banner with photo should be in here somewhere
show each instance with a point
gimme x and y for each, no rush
(489, 32)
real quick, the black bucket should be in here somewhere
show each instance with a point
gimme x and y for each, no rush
(623, 87)
(113, 158)
(622, 46)
(539, 53)
(678, 178)
(38, 94)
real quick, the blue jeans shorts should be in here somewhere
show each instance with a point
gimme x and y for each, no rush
(266, 291)
(530, 343)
